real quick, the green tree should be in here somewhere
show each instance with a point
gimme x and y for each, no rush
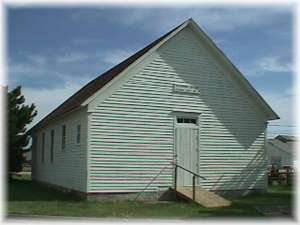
(19, 115)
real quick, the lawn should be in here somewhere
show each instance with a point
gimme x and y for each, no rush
(28, 198)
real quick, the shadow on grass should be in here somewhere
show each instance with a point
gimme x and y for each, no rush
(28, 190)
(275, 195)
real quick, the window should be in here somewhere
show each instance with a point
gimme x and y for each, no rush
(186, 120)
(179, 120)
(63, 137)
(78, 134)
(52, 146)
(43, 147)
(35, 143)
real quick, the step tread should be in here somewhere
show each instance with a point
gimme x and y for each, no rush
(204, 197)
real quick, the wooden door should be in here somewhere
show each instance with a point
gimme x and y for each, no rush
(187, 152)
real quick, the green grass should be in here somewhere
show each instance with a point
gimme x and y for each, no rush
(28, 198)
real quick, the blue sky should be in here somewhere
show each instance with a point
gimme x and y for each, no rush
(52, 52)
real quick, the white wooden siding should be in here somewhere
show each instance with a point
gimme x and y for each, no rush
(69, 165)
(131, 133)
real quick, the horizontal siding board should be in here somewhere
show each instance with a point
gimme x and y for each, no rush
(132, 130)
(70, 165)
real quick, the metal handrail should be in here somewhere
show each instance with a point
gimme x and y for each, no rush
(194, 178)
(197, 175)
(165, 167)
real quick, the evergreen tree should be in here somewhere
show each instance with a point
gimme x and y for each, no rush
(19, 115)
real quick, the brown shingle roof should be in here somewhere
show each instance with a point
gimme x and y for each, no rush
(93, 86)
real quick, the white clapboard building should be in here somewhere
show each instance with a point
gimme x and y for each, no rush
(178, 100)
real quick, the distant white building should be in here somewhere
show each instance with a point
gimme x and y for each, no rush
(280, 151)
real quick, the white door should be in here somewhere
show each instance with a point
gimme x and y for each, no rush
(186, 149)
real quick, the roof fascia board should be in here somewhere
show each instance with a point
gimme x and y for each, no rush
(139, 60)
(240, 78)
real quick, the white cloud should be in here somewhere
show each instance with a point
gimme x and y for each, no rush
(71, 57)
(273, 64)
(46, 70)
(270, 65)
(214, 18)
(22, 72)
(84, 41)
(35, 75)
(37, 59)
(39, 64)
(23, 68)
(114, 57)
(226, 19)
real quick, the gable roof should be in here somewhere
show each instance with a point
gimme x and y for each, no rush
(288, 147)
(76, 100)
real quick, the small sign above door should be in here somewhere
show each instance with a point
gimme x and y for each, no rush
(185, 88)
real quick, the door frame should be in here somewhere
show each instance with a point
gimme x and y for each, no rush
(186, 114)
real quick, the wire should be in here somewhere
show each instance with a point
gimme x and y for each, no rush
(275, 125)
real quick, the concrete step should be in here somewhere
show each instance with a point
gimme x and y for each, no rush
(204, 197)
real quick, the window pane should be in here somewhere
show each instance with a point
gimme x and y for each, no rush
(52, 145)
(64, 130)
(63, 138)
(78, 133)
(179, 120)
(186, 120)
(43, 147)
(193, 121)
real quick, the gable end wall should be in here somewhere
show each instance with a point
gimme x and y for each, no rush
(131, 132)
